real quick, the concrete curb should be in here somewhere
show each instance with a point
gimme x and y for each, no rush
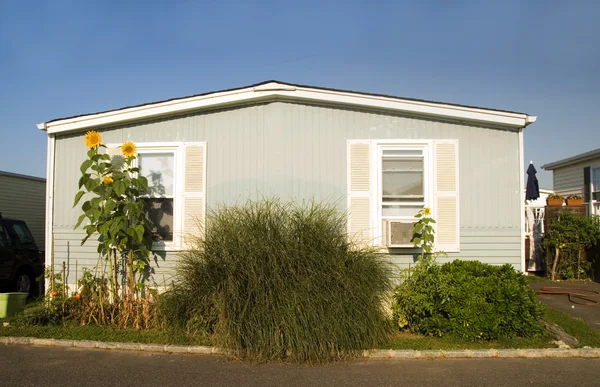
(543, 353)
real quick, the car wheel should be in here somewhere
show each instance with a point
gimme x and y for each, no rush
(24, 283)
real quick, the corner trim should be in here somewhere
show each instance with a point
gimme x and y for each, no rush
(50, 162)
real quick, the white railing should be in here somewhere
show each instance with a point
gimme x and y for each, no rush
(534, 231)
(534, 220)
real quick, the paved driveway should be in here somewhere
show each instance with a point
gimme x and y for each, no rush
(49, 366)
(589, 314)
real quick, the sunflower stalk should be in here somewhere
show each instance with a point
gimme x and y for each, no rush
(424, 233)
(112, 211)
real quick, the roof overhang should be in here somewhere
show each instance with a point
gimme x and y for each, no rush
(282, 91)
(594, 154)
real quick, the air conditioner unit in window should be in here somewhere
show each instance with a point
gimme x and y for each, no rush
(399, 233)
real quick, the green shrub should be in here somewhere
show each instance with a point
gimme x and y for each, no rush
(567, 244)
(468, 299)
(279, 280)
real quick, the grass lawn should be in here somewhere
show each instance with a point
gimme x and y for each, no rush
(537, 278)
(398, 341)
(98, 333)
(403, 340)
(586, 335)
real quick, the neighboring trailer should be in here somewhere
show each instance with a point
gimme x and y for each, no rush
(579, 175)
(24, 197)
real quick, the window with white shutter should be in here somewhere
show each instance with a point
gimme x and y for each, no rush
(390, 181)
(176, 199)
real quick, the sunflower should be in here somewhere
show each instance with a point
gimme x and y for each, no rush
(92, 139)
(128, 149)
(107, 180)
(427, 211)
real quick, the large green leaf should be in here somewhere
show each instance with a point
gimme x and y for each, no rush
(81, 218)
(109, 205)
(83, 179)
(139, 232)
(119, 187)
(91, 184)
(78, 197)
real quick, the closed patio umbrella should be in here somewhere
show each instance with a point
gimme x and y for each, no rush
(532, 191)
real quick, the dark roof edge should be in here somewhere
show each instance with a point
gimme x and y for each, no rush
(572, 160)
(20, 176)
(293, 85)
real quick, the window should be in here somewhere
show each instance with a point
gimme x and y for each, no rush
(402, 182)
(21, 234)
(404, 176)
(3, 242)
(159, 168)
(596, 190)
(176, 199)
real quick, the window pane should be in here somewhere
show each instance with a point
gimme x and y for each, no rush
(22, 234)
(402, 177)
(415, 164)
(408, 211)
(596, 179)
(160, 213)
(158, 168)
(2, 237)
(402, 152)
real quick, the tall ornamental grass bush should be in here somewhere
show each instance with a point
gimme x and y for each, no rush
(468, 299)
(273, 280)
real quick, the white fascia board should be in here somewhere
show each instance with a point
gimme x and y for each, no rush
(152, 110)
(275, 90)
(417, 107)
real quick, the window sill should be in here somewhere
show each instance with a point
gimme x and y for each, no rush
(168, 246)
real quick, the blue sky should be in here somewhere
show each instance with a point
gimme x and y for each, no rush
(61, 58)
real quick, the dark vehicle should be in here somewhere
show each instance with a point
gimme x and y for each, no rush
(21, 262)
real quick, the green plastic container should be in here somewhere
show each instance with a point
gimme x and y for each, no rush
(12, 303)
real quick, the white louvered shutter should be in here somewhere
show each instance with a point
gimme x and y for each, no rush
(446, 201)
(360, 223)
(194, 195)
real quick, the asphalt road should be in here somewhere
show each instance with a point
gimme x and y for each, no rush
(47, 366)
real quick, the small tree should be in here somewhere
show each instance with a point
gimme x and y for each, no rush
(570, 233)
(115, 212)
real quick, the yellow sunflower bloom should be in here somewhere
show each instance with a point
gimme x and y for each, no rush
(427, 211)
(92, 139)
(107, 180)
(128, 149)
